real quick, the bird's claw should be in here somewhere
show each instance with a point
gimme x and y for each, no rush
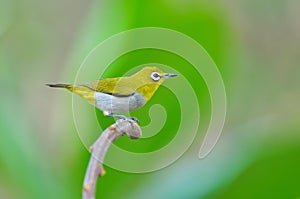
(130, 119)
(135, 120)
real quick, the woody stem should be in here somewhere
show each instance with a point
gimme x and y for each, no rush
(99, 149)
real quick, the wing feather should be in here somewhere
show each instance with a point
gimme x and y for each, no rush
(113, 86)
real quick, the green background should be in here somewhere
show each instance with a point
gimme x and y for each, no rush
(255, 45)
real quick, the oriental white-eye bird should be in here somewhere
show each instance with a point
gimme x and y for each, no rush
(121, 94)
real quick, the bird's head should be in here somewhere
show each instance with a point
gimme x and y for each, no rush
(152, 75)
(148, 80)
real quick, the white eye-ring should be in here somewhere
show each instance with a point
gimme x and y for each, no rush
(155, 76)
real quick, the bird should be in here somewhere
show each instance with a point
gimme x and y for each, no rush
(120, 94)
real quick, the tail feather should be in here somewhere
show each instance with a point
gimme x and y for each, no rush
(59, 85)
(82, 91)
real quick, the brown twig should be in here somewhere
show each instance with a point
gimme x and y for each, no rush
(99, 149)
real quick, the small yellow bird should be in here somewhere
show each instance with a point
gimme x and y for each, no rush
(121, 94)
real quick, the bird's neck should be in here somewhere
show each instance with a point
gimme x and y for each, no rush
(148, 90)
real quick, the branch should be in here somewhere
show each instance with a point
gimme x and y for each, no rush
(99, 149)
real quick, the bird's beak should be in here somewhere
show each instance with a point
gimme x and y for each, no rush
(167, 75)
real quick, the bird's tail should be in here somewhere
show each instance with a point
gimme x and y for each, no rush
(59, 85)
(80, 90)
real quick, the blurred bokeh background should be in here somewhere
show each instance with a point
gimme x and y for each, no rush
(254, 43)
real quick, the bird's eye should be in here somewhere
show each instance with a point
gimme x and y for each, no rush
(155, 76)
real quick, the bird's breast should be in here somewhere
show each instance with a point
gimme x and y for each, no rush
(117, 104)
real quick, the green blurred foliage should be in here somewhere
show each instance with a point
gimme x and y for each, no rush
(255, 45)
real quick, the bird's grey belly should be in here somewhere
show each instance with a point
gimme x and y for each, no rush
(116, 104)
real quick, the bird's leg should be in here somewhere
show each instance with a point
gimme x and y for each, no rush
(134, 119)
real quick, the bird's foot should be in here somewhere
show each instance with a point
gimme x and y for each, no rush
(130, 119)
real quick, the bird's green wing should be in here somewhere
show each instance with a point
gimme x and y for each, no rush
(113, 86)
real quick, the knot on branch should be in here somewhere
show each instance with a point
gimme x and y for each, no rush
(129, 127)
